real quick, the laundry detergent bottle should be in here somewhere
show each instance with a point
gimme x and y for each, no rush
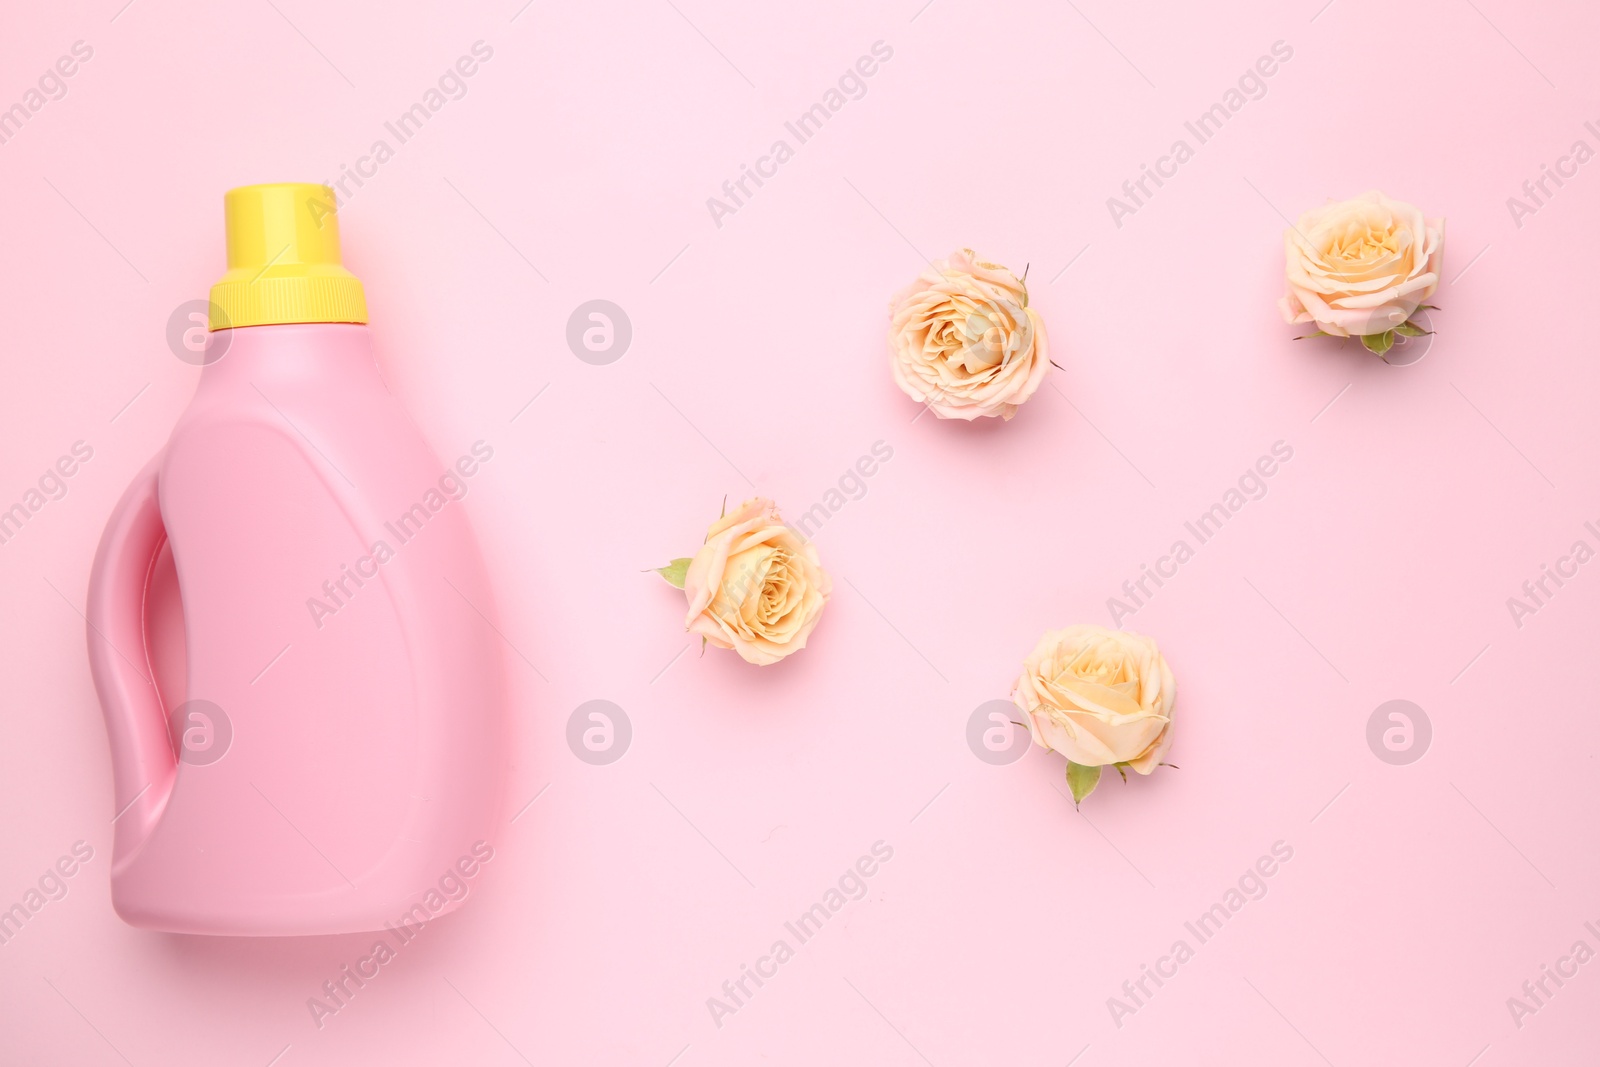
(290, 625)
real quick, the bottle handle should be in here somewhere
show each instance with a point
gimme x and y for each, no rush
(143, 762)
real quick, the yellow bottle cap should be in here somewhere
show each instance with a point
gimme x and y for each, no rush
(283, 260)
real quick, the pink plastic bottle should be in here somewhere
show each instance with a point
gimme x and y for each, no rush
(320, 748)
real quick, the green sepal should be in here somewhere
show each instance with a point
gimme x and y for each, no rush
(1378, 343)
(1081, 780)
(675, 571)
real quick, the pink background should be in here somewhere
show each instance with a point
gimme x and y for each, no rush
(1377, 567)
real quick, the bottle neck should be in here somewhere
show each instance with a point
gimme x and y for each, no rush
(291, 353)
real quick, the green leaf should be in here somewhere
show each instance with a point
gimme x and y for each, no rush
(1081, 780)
(1313, 333)
(1379, 343)
(1121, 771)
(675, 571)
(1406, 329)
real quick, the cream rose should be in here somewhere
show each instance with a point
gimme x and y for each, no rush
(963, 340)
(756, 586)
(1360, 267)
(1098, 697)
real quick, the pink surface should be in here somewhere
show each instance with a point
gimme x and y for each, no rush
(577, 167)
